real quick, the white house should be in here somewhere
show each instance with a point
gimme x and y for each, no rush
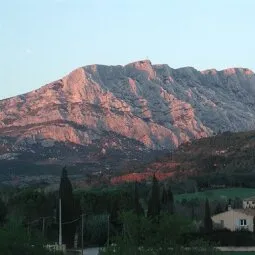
(237, 219)
(234, 219)
(249, 203)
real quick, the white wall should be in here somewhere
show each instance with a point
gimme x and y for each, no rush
(248, 204)
(232, 220)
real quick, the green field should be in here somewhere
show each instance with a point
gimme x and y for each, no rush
(239, 252)
(218, 194)
(236, 252)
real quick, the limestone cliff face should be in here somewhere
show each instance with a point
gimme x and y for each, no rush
(154, 105)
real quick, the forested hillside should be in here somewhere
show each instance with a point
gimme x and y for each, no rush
(224, 159)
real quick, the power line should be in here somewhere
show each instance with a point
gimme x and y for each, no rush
(39, 219)
(69, 222)
(53, 217)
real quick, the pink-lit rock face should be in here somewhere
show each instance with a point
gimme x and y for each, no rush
(248, 71)
(155, 105)
(210, 72)
(146, 67)
(132, 86)
(230, 71)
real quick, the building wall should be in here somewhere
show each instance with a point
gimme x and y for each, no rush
(248, 204)
(231, 220)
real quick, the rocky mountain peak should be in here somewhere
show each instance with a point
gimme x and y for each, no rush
(230, 71)
(154, 105)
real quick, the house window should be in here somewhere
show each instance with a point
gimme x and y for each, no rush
(243, 222)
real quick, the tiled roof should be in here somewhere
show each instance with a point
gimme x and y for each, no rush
(247, 211)
(249, 199)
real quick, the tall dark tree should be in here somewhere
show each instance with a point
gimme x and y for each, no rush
(3, 211)
(237, 203)
(208, 227)
(154, 201)
(138, 208)
(218, 209)
(254, 224)
(114, 212)
(68, 209)
(164, 200)
(193, 214)
(170, 200)
(192, 204)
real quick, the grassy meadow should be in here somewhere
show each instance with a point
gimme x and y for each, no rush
(229, 193)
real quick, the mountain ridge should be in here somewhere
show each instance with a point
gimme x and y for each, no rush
(208, 70)
(154, 107)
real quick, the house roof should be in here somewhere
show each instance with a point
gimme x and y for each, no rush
(250, 199)
(247, 211)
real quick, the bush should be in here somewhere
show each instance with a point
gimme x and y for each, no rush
(144, 236)
(15, 241)
(96, 229)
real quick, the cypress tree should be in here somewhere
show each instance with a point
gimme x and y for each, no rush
(164, 200)
(192, 205)
(254, 224)
(218, 209)
(68, 209)
(154, 201)
(167, 200)
(193, 215)
(170, 200)
(207, 218)
(3, 211)
(138, 208)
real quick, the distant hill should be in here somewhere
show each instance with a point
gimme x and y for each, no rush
(222, 156)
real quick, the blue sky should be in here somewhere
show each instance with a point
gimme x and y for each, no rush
(43, 40)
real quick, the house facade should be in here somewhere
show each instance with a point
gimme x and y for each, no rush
(249, 203)
(234, 219)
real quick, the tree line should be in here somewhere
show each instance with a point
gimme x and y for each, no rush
(122, 215)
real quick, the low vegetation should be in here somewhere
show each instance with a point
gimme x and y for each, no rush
(141, 217)
(146, 217)
(218, 194)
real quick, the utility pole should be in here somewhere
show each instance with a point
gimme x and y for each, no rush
(43, 226)
(108, 239)
(82, 229)
(60, 223)
(28, 231)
